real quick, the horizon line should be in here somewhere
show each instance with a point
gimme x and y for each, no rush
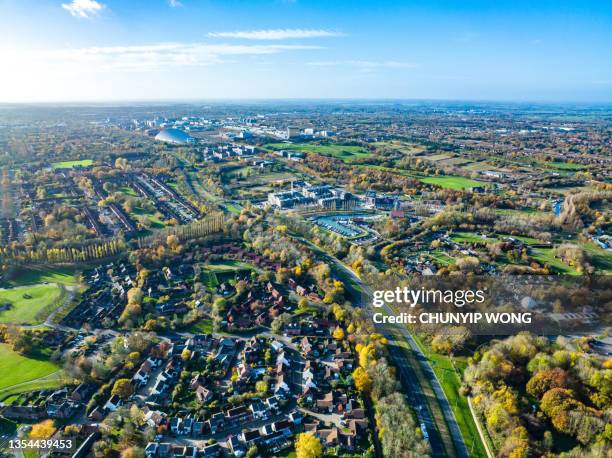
(196, 100)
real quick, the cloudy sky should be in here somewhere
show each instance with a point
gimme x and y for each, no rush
(121, 50)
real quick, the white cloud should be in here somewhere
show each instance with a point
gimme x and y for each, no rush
(83, 8)
(276, 34)
(136, 58)
(364, 64)
(174, 3)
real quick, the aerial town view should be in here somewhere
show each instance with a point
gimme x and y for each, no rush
(262, 235)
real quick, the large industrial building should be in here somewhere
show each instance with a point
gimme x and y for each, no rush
(305, 195)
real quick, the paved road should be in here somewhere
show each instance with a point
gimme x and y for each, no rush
(449, 416)
(71, 290)
(362, 295)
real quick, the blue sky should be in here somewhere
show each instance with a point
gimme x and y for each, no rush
(107, 50)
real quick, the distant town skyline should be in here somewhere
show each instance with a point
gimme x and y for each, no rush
(156, 50)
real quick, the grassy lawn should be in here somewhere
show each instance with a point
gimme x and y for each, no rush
(470, 237)
(49, 382)
(452, 182)
(449, 378)
(227, 265)
(210, 279)
(202, 327)
(72, 164)
(344, 152)
(34, 275)
(441, 257)
(156, 223)
(545, 255)
(29, 304)
(564, 165)
(216, 272)
(599, 257)
(128, 191)
(233, 208)
(15, 368)
(515, 211)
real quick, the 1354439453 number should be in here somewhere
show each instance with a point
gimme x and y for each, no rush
(46, 444)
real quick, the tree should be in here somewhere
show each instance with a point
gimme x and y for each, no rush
(43, 430)
(123, 388)
(102, 449)
(362, 379)
(308, 446)
(338, 333)
(121, 163)
(545, 380)
(303, 304)
(134, 296)
(261, 386)
(173, 242)
(398, 433)
(186, 354)
(556, 404)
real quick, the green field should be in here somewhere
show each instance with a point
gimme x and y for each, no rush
(128, 191)
(470, 237)
(408, 149)
(156, 223)
(438, 157)
(72, 164)
(344, 152)
(599, 257)
(29, 304)
(35, 275)
(516, 211)
(233, 208)
(204, 326)
(441, 257)
(452, 182)
(16, 369)
(564, 165)
(227, 265)
(216, 272)
(546, 256)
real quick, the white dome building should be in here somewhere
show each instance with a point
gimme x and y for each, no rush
(174, 136)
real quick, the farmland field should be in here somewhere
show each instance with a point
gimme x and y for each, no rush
(29, 304)
(408, 149)
(438, 157)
